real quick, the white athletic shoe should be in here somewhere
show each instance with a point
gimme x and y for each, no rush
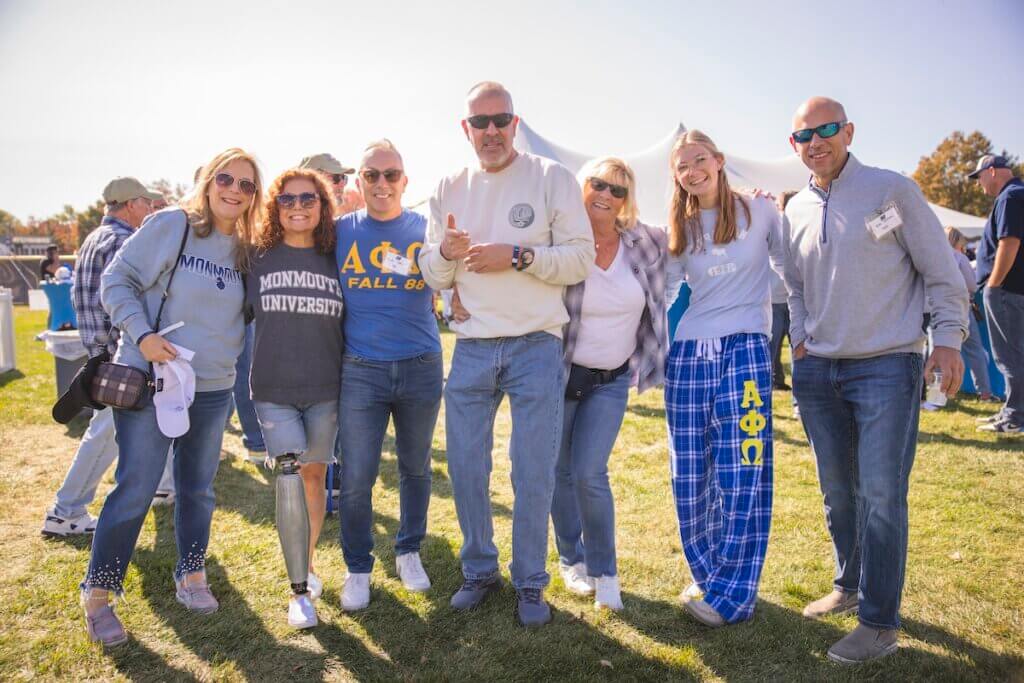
(355, 593)
(410, 570)
(574, 576)
(301, 613)
(314, 585)
(58, 526)
(692, 592)
(607, 593)
(163, 498)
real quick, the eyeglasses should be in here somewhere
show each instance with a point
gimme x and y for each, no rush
(618, 191)
(307, 200)
(483, 121)
(339, 178)
(227, 180)
(372, 175)
(824, 131)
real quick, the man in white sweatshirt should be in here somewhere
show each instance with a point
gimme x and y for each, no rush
(511, 233)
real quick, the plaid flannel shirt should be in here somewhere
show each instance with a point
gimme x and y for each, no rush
(93, 256)
(646, 250)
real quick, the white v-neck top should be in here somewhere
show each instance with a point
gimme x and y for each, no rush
(613, 303)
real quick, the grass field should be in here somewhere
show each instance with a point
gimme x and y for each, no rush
(963, 608)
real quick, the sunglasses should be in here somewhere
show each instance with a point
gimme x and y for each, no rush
(227, 180)
(372, 175)
(483, 121)
(598, 185)
(824, 131)
(339, 178)
(307, 200)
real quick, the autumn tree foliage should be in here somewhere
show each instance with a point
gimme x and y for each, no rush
(943, 174)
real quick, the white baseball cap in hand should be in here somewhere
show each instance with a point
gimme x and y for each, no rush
(175, 391)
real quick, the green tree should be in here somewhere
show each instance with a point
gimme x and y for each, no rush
(8, 224)
(174, 193)
(942, 175)
(89, 219)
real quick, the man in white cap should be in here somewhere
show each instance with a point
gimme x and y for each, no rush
(1001, 271)
(348, 199)
(128, 202)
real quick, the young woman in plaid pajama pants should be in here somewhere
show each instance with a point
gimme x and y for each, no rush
(718, 380)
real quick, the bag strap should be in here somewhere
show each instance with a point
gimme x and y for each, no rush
(174, 269)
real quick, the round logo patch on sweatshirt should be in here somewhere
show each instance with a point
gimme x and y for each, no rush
(521, 216)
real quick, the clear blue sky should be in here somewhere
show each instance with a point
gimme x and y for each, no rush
(92, 90)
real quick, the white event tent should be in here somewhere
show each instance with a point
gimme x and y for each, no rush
(654, 187)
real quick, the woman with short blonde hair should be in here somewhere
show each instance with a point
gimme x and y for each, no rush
(972, 348)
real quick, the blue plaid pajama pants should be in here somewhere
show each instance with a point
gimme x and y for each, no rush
(718, 402)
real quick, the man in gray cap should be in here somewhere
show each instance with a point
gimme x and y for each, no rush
(347, 199)
(1000, 267)
(128, 203)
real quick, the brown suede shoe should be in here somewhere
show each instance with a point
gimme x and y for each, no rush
(864, 644)
(836, 602)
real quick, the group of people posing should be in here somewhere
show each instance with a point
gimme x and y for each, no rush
(560, 296)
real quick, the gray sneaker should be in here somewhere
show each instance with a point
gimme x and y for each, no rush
(473, 592)
(836, 602)
(531, 609)
(196, 597)
(864, 644)
(104, 627)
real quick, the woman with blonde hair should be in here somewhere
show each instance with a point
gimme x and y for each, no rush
(973, 349)
(295, 298)
(718, 380)
(175, 292)
(615, 338)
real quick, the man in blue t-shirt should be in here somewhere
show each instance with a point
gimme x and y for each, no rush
(392, 369)
(1000, 268)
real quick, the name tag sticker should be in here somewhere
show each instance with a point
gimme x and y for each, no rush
(396, 263)
(882, 222)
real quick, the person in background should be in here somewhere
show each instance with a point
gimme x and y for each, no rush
(207, 299)
(511, 232)
(346, 199)
(392, 370)
(780, 315)
(293, 292)
(1000, 266)
(49, 265)
(128, 203)
(973, 348)
(858, 237)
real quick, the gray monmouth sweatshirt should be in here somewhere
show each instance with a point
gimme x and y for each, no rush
(852, 295)
(206, 295)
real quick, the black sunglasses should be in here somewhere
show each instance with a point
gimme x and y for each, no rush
(227, 180)
(824, 131)
(483, 121)
(339, 178)
(372, 175)
(618, 191)
(307, 200)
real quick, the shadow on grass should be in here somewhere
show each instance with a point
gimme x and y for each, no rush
(1000, 444)
(780, 644)
(136, 662)
(10, 376)
(76, 428)
(646, 411)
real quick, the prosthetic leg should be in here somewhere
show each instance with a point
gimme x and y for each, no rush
(293, 522)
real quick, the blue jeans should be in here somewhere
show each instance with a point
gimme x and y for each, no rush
(861, 418)
(529, 370)
(252, 437)
(409, 391)
(1005, 312)
(142, 452)
(582, 507)
(306, 430)
(977, 359)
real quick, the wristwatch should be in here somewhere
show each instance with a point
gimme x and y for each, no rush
(525, 259)
(515, 256)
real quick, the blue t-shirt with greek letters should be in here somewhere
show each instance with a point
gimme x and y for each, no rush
(388, 315)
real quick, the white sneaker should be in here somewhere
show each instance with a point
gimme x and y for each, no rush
(692, 592)
(301, 613)
(355, 593)
(410, 570)
(574, 576)
(58, 526)
(163, 498)
(607, 594)
(314, 585)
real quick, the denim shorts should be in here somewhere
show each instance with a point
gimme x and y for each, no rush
(307, 429)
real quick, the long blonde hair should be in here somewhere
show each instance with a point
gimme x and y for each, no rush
(197, 204)
(684, 225)
(955, 237)
(617, 171)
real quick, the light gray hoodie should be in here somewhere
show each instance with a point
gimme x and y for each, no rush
(852, 295)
